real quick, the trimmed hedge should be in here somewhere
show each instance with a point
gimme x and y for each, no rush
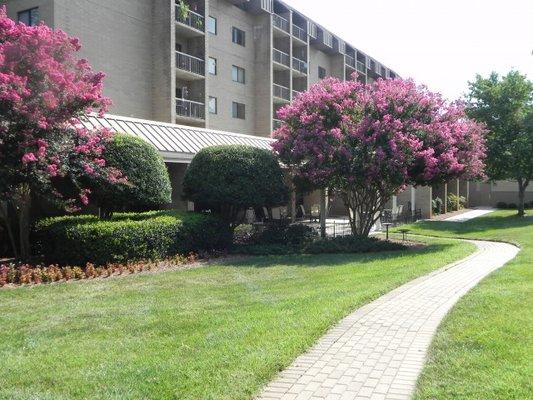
(77, 240)
(344, 244)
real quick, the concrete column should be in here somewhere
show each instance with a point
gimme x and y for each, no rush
(394, 204)
(445, 198)
(323, 208)
(458, 192)
(413, 200)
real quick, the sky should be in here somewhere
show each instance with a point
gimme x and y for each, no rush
(442, 44)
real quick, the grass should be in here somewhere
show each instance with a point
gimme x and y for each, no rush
(484, 348)
(219, 332)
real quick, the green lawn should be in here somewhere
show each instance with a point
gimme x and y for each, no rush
(219, 332)
(484, 348)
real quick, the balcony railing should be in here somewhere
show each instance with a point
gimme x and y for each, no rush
(281, 58)
(190, 109)
(194, 20)
(295, 93)
(190, 63)
(299, 65)
(361, 67)
(350, 61)
(280, 22)
(281, 92)
(299, 32)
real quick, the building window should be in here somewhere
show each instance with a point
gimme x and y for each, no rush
(238, 36)
(237, 74)
(212, 25)
(238, 110)
(321, 73)
(212, 66)
(29, 17)
(213, 106)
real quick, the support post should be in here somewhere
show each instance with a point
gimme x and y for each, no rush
(445, 198)
(323, 207)
(413, 200)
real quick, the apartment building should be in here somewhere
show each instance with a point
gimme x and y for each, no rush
(218, 64)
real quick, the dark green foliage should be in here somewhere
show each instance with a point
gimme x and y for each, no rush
(343, 244)
(148, 181)
(286, 234)
(436, 205)
(76, 240)
(229, 179)
(501, 204)
(505, 105)
(352, 244)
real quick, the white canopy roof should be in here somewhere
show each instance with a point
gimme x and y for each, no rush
(176, 143)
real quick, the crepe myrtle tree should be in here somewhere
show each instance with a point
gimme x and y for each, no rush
(229, 179)
(44, 150)
(369, 141)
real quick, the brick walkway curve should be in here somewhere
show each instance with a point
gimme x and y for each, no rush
(378, 351)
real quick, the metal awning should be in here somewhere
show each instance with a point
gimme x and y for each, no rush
(176, 143)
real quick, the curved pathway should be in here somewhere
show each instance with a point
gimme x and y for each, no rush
(378, 351)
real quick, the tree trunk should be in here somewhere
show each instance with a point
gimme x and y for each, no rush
(4, 214)
(24, 204)
(522, 185)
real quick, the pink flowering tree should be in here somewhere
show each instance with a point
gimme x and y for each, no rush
(44, 150)
(370, 141)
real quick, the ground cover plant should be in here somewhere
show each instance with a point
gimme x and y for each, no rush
(219, 332)
(484, 348)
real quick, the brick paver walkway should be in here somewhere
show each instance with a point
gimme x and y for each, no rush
(378, 351)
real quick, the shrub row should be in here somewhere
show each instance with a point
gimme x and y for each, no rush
(78, 240)
(26, 274)
(512, 206)
(344, 244)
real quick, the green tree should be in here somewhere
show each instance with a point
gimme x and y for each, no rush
(148, 184)
(505, 105)
(229, 179)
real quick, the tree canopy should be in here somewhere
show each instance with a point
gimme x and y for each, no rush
(370, 141)
(229, 179)
(505, 105)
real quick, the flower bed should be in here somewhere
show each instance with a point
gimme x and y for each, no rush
(24, 274)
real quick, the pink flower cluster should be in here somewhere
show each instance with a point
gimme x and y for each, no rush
(384, 135)
(44, 91)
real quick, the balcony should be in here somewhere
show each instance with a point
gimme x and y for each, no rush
(190, 109)
(280, 22)
(299, 65)
(299, 33)
(281, 58)
(193, 20)
(190, 65)
(281, 92)
(350, 61)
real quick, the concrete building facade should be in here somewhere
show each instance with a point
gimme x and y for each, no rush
(219, 64)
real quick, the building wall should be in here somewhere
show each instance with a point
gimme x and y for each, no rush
(489, 194)
(228, 54)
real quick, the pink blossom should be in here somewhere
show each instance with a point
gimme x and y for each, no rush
(29, 157)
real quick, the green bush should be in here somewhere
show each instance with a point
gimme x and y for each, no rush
(453, 199)
(284, 233)
(77, 240)
(148, 185)
(501, 204)
(436, 205)
(229, 179)
(344, 244)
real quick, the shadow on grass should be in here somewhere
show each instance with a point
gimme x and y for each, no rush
(482, 224)
(331, 260)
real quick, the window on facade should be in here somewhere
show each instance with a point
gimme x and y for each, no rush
(238, 36)
(212, 25)
(213, 106)
(212, 66)
(321, 73)
(238, 110)
(29, 17)
(237, 74)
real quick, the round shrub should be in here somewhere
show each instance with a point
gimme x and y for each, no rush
(77, 240)
(231, 178)
(501, 204)
(148, 184)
